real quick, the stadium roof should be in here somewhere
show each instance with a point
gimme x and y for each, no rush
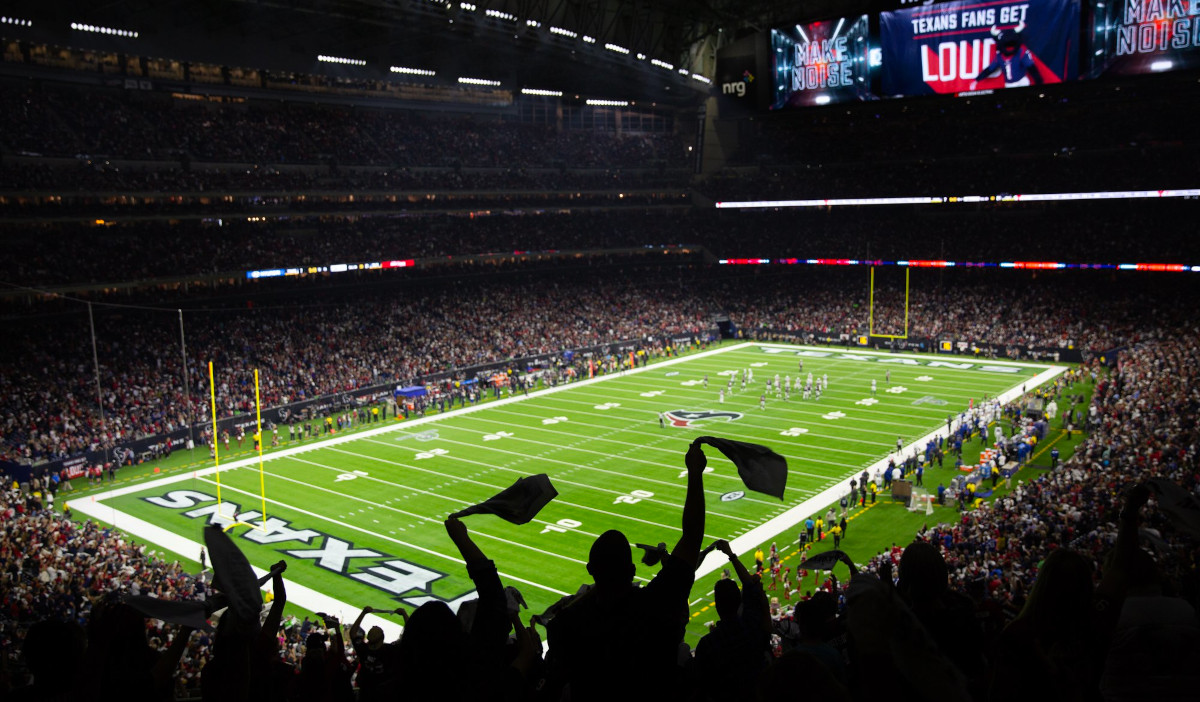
(650, 50)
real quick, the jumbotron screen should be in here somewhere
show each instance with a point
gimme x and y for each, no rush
(1143, 36)
(963, 46)
(821, 63)
(960, 46)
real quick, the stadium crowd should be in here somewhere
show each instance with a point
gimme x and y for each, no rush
(123, 252)
(311, 348)
(1024, 593)
(1080, 584)
(105, 176)
(113, 124)
(340, 341)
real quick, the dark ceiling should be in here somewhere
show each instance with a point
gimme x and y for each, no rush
(453, 38)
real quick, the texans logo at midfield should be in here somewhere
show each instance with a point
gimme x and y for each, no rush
(686, 418)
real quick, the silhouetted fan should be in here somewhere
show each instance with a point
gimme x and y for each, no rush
(237, 586)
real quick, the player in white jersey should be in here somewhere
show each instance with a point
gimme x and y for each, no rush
(872, 386)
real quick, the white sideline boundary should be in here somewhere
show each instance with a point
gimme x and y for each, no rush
(93, 505)
(793, 517)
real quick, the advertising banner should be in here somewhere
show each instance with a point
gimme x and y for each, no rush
(738, 84)
(820, 63)
(961, 46)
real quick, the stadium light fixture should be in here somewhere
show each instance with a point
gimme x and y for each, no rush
(341, 59)
(413, 71)
(608, 103)
(662, 64)
(539, 91)
(617, 49)
(589, 40)
(641, 57)
(533, 23)
(467, 6)
(703, 79)
(1161, 66)
(17, 21)
(96, 29)
(499, 14)
(564, 32)
(478, 81)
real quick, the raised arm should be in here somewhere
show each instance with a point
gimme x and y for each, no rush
(744, 575)
(356, 628)
(491, 626)
(337, 645)
(1115, 580)
(164, 669)
(270, 625)
(688, 547)
(458, 534)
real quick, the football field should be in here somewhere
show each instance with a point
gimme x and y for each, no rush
(359, 517)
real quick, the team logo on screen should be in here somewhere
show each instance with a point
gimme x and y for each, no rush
(687, 418)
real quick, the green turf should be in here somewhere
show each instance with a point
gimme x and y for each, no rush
(612, 463)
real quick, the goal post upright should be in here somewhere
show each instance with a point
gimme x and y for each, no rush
(871, 307)
(212, 394)
(262, 484)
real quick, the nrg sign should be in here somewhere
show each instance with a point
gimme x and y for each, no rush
(738, 87)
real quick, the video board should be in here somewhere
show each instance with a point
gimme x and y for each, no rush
(819, 63)
(953, 47)
(963, 46)
(1144, 36)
